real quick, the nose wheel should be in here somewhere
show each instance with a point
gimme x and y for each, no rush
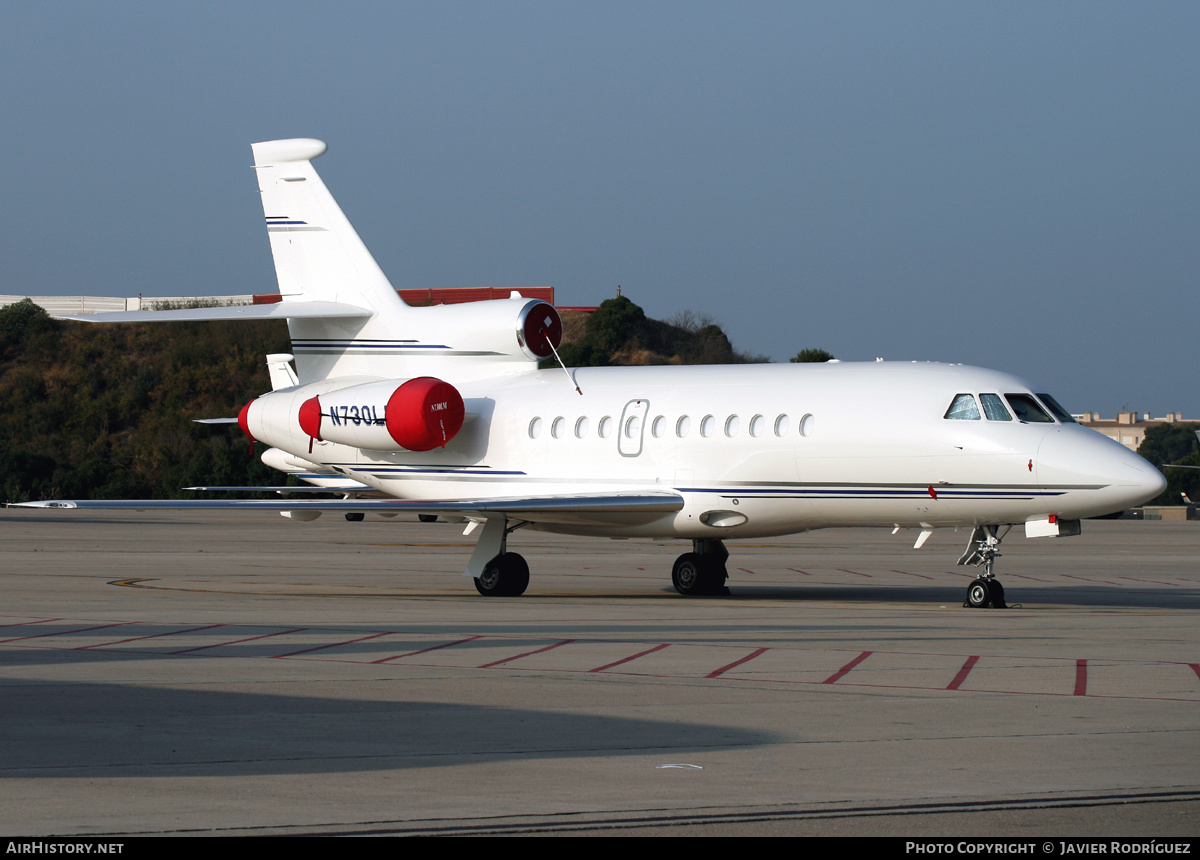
(982, 593)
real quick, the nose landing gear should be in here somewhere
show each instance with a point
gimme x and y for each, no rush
(984, 549)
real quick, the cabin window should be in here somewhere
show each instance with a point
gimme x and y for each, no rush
(807, 425)
(682, 426)
(707, 426)
(535, 428)
(781, 425)
(993, 407)
(559, 427)
(963, 408)
(1057, 411)
(758, 426)
(581, 427)
(633, 427)
(1027, 409)
(606, 426)
(731, 426)
(659, 427)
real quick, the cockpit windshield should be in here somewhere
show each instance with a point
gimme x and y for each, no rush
(963, 407)
(993, 408)
(1055, 410)
(1027, 409)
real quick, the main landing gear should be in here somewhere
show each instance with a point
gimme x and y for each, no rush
(984, 549)
(701, 571)
(506, 575)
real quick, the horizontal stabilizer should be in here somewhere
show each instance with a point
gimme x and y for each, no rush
(275, 311)
(215, 420)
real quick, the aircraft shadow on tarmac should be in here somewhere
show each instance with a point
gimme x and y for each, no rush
(1145, 597)
(58, 730)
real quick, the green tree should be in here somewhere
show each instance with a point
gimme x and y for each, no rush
(811, 355)
(1174, 443)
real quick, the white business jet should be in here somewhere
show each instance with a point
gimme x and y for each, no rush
(442, 411)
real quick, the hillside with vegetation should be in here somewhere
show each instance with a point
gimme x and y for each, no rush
(107, 411)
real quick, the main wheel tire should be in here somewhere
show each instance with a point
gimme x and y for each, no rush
(505, 575)
(694, 575)
(979, 596)
(354, 518)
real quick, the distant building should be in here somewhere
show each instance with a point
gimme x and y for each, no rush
(1128, 428)
(70, 305)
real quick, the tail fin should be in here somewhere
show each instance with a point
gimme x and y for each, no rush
(320, 258)
(318, 255)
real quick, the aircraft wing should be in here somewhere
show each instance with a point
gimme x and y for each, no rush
(615, 508)
(273, 311)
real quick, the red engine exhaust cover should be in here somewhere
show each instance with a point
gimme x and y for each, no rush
(244, 423)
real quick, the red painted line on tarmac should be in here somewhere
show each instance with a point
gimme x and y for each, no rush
(833, 679)
(30, 623)
(238, 641)
(747, 570)
(526, 654)
(630, 658)
(798, 570)
(1086, 579)
(1081, 677)
(1155, 581)
(64, 632)
(855, 572)
(148, 636)
(745, 659)
(1195, 668)
(963, 672)
(427, 650)
(330, 645)
(906, 573)
(1009, 573)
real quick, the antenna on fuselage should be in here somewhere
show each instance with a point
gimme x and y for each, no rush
(564, 367)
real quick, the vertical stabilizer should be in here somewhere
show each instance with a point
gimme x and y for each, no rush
(318, 254)
(319, 257)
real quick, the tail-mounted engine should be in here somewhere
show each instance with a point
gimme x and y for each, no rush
(381, 415)
(417, 415)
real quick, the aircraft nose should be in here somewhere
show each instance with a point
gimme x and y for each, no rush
(1111, 476)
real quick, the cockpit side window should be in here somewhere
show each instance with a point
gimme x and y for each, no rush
(993, 408)
(1057, 411)
(1027, 409)
(963, 407)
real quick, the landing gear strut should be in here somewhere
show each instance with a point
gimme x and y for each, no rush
(701, 571)
(984, 549)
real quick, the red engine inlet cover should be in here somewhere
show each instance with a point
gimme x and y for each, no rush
(424, 413)
(541, 327)
(310, 417)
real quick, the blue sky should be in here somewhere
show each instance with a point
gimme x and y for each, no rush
(1012, 185)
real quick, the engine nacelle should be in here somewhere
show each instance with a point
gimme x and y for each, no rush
(417, 415)
(379, 415)
(522, 329)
